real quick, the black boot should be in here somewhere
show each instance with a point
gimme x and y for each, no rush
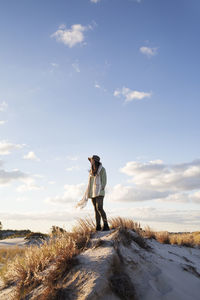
(105, 227)
(98, 228)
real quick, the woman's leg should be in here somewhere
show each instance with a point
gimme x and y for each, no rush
(97, 214)
(99, 207)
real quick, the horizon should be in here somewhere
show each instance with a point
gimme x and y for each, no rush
(115, 78)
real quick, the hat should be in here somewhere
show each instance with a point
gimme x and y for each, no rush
(95, 157)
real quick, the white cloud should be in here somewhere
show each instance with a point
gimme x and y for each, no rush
(138, 1)
(132, 194)
(72, 157)
(6, 147)
(179, 220)
(39, 176)
(95, 1)
(65, 215)
(52, 182)
(21, 199)
(160, 219)
(29, 185)
(195, 197)
(72, 168)
(71, 37)
(176, 198)
(148, 51)
(97, 86)
(152, 180)
(2, 122)
(73, 193)
(31, 156)
(55, 65)
(145, 169)
(76, 67)
(3, 106)
(183, 197)
(158, 176)
(131, 95)
(8, 176)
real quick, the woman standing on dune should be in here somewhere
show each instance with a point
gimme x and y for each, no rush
(96, 191)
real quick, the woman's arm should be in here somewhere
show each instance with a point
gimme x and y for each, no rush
(103, 178)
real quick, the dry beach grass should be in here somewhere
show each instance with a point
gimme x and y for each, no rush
(49, 263)
(164, 237)
(8, 255)
(27, 270)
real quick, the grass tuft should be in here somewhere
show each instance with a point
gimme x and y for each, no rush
(125, 223)
(149, 233)
(32, 269)
(163, 237)
(36, 235)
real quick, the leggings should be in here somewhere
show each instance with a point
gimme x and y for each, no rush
(99, 212)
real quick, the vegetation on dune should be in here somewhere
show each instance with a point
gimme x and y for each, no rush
(49, 263)
(57, 253)
(182, 239)
(36, 235)
(125, 223)
(9, 255)
(185, 239)
(9, 233)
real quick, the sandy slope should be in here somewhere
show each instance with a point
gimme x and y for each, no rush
(12, 242)
(116, 267)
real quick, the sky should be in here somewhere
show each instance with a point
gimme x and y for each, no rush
(115, 78)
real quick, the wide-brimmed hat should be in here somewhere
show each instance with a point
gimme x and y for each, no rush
(95, 157)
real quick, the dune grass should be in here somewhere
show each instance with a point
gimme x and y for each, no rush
(164, 237)
(50, 262)
(124, 223)
(10, 253)
(185, 239)
(7, 255)
(188, 239)
(31, 269)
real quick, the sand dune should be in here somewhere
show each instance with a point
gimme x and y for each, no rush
(120, 265)
(12, 242)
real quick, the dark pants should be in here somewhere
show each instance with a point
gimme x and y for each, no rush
(99, 212)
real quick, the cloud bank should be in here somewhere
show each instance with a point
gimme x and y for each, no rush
(161, 177)
(72, 194)
(162, 219)
(153, 180)
(9, 176)
(6, 147)
(157, 180)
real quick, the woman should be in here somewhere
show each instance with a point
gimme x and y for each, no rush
(96, 191)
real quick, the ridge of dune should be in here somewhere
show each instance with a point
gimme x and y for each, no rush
(119, 264)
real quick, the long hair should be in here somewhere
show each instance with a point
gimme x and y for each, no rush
(94, 167)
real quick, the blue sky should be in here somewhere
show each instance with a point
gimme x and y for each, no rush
(117, 78)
